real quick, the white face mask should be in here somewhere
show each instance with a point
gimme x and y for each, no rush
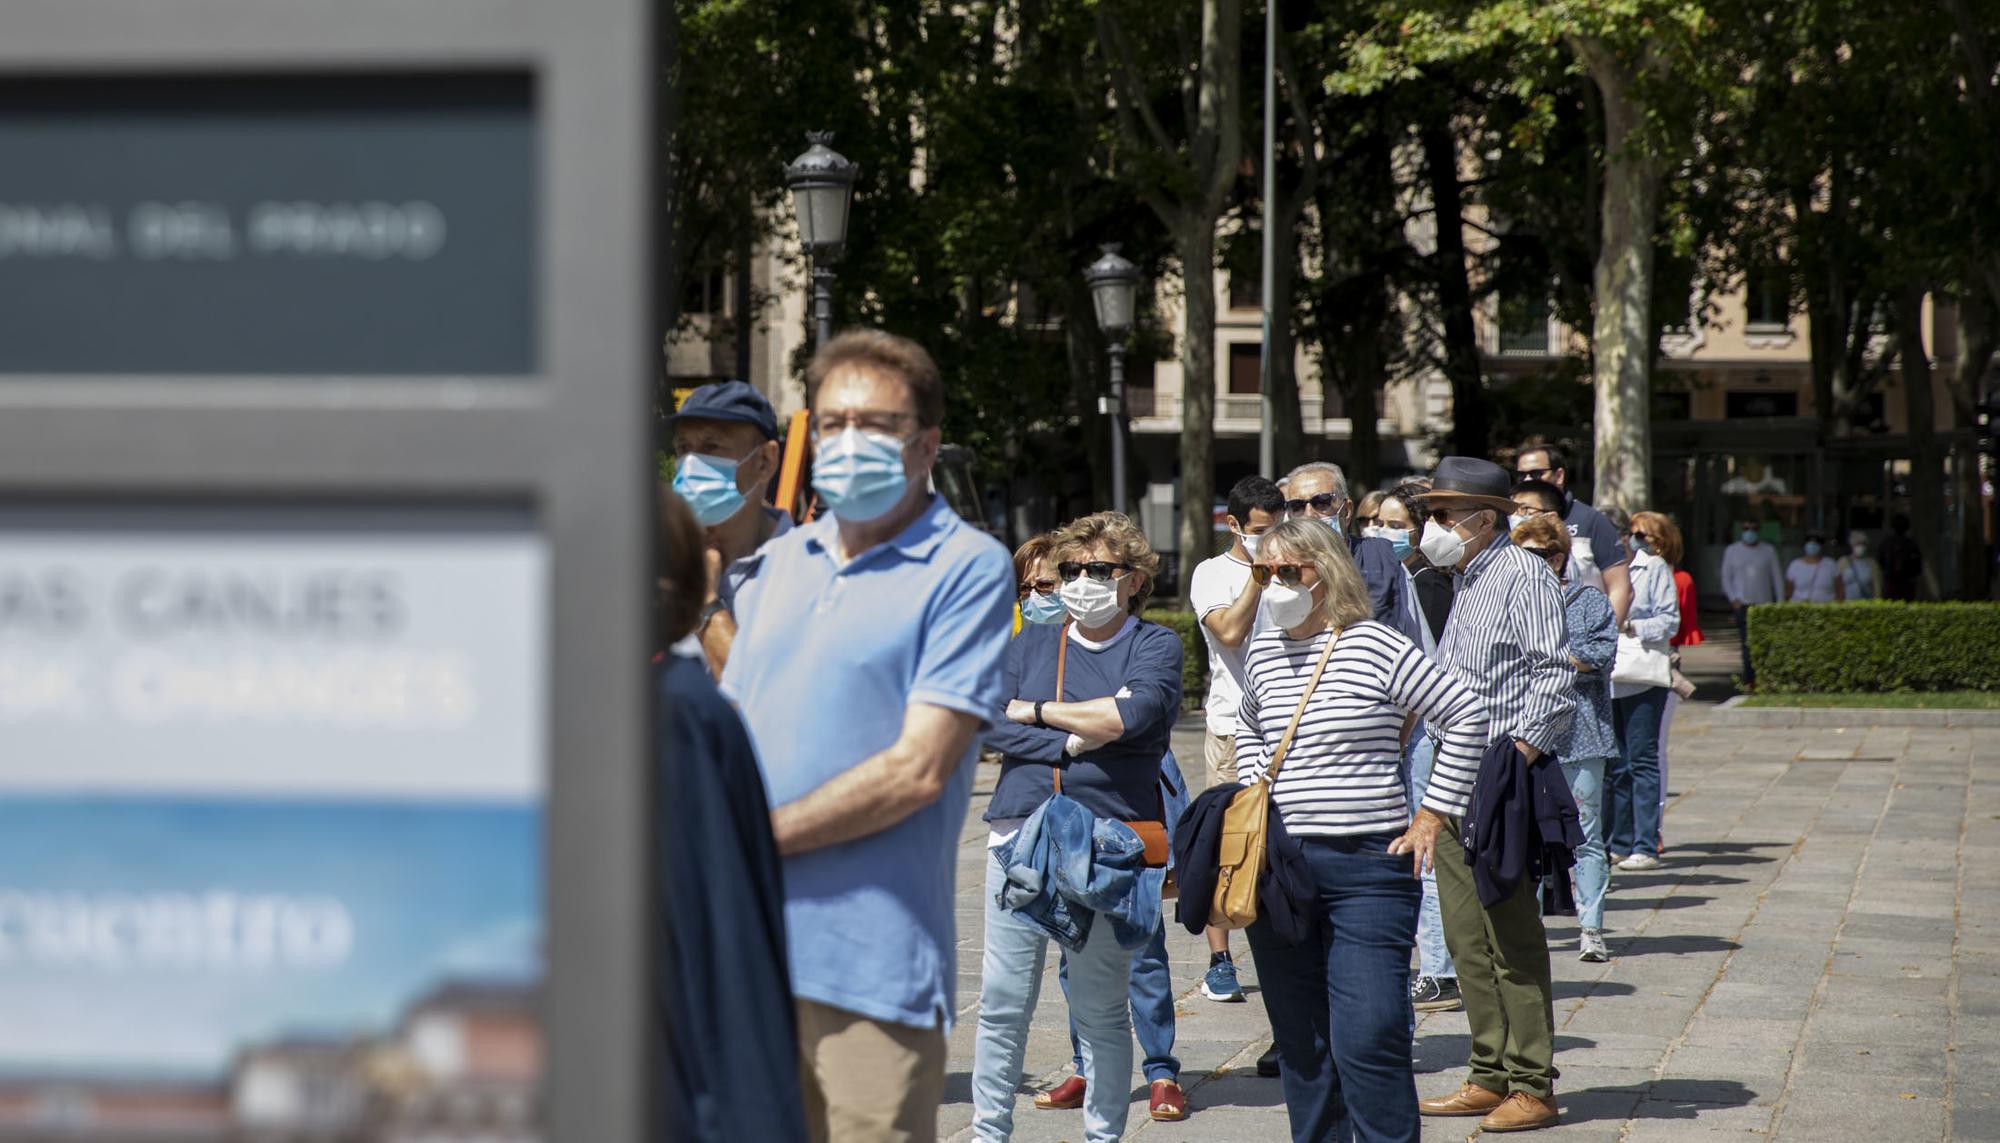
(1441, 545)
(1288, 606)
(1091, 603)
(1518, 519)
(1249, 543)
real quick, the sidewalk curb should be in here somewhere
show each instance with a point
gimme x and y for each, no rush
(1734, 714)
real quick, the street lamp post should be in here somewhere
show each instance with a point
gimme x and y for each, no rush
(1114, 289)
(822, 184)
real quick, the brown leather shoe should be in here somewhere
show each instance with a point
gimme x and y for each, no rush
(1065, 1096)
(1469, 1099)
(1522, 1112)
(1168, 1101)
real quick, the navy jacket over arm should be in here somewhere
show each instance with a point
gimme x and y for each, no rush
(1523, 822)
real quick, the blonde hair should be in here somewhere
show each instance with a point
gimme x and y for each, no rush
(1665, 536)
(1343, 597)
(1117, 532)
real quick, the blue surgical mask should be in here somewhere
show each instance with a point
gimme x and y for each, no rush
(1750, 536)
(708, 484)
(1812, 547)
(859, 474)
(1399, 539)
(1334, 523)
(1641, 548)
(1039, 608)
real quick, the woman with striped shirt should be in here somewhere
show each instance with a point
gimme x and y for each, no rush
(1339, 1003)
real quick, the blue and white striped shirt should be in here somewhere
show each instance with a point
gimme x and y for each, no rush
(1508, 641)
(1343, 771)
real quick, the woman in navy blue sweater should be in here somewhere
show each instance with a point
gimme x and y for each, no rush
(1106, 732)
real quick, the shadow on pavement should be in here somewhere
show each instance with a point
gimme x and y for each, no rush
(1635, 900)
(1670, 945)
(1657, 1099)
(1578, 989)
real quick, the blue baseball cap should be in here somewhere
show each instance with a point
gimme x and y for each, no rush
(729, 401)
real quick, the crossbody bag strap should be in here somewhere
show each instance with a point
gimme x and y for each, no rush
(1062, 660)
(1285, 743)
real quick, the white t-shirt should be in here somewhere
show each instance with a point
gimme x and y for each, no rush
(1812, 583)
(1216, 584)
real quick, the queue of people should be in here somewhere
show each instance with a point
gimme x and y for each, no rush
(1452, 691)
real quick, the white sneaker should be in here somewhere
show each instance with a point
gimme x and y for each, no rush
(1639, 862)
(1592, 946)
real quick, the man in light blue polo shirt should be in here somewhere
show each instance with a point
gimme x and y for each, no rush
(867, 660)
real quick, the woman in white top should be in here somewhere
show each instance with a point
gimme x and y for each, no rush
(1813, 578)
(1339, 1002)
(1860, 574)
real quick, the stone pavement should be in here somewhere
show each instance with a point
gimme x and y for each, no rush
(1819, 960)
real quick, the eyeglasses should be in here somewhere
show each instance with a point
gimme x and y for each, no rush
(867, 420)
(1097, 570)
(1287, 574)
(1038, 586)
(1322, 503)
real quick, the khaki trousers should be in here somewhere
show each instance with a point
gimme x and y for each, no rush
(868, 1081)
(1220, 753)
(1502, 956)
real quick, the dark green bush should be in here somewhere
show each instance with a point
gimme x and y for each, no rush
(1806, 648)
(1194, 654)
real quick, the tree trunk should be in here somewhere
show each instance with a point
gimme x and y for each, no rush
(1470, 424)
(1288, 430)
(1978, 337)
(1364, 371)
(1927, 481)
(741, 300)
(1623, 296)
(1195, 238)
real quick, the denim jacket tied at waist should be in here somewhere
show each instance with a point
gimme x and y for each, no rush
(1066, 866)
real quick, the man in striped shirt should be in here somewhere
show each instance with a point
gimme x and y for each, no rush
(1507, 640)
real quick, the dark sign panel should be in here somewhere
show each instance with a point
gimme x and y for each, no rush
(380, 224)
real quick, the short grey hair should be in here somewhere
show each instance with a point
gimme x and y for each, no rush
(1331, 470)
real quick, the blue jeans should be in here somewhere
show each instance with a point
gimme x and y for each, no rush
(1152, 995)
(1592, 871)
(1339, 1003)
(1632, 784)
(1433, 959)
(1011, 977)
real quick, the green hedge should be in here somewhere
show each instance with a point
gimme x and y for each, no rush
(1810, 648)
(1194, 654)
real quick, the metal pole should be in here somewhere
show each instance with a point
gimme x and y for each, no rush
(1267, 448)
(1117, 411)
(822, 305)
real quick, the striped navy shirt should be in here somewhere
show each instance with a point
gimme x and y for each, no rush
(1343, 772)
(1508, 640)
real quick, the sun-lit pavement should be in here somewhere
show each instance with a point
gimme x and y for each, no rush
(1818, 960)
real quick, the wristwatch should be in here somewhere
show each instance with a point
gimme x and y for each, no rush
(1038, 715)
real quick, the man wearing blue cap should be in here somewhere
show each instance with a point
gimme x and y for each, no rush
(725, 453)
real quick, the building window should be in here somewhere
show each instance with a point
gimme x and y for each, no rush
(1246, 367)
(1673, 406)
(1246, 290)
(1524, 324)
(1767, 302)
(1743, 403)
(705, 292)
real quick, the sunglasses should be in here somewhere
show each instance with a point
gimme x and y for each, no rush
(1533, 473)
(1097, 570)
(1038, 586)
(1323, 502)
(1642, 537)
(1288, 574)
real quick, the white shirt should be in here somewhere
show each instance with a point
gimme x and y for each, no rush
(1812, 583)
(1216, 584)
(1750, 574)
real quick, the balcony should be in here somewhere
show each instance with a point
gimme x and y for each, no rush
(1236, 414)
